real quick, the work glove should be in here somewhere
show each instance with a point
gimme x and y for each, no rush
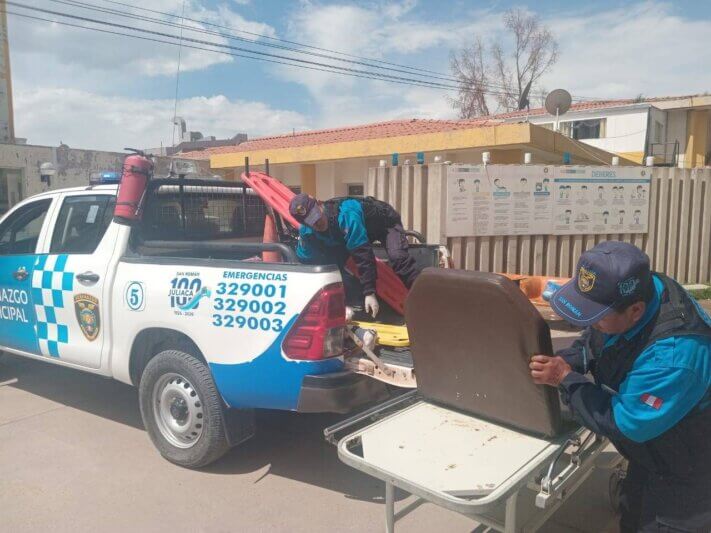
(349, 314)
(371, 305)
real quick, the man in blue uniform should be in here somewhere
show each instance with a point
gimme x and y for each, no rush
(647, 345)
(336, 229)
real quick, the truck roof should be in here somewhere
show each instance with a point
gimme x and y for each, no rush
(100, 187)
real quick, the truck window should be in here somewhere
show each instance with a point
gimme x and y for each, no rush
(81, 224)
(204, 213)
(20, 231)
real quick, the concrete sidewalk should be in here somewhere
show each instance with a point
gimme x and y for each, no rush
(74, 457)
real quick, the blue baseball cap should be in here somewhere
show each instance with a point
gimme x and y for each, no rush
(609, 276)
(304, 208)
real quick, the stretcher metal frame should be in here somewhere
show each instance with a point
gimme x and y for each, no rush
(554, 473)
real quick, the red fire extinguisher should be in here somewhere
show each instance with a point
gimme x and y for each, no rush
(137, 170)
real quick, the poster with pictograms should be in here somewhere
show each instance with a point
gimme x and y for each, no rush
(487, 200)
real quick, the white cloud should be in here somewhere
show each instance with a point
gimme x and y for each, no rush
(647, 48)
(72, 51)
(379, 31)
(86, 120)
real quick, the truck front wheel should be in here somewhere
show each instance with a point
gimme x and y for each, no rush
(182, 410)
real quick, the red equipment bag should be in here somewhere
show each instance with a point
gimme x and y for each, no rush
(276, 195)
(137, 170)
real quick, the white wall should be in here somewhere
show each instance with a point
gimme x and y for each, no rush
(625, 129)
(346, 172)
(676, 130)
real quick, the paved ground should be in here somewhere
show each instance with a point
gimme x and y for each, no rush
(74, 457)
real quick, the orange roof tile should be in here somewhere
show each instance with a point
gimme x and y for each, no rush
(396, 128)
(378, 130)
(587, 106)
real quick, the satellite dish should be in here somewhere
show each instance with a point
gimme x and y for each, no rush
(523, 100)
(558, 102)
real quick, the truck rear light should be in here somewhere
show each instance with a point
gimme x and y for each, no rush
(319, 331)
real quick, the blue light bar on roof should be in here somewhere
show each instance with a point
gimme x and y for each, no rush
(105, 177)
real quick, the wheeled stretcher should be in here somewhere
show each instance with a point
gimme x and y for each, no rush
(478, 436)
(500, 477)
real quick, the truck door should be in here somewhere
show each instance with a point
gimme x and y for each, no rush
(20, 234)
(80, 250)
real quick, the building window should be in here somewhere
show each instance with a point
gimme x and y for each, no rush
(584, 129)
(355, 189)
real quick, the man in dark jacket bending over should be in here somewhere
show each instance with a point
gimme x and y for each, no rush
(648, 348)
(336, 229)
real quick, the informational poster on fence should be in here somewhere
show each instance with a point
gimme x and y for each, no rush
(546, 200)
(601, 200)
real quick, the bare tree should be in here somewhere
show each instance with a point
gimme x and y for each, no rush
(504, 77)
(470, 70)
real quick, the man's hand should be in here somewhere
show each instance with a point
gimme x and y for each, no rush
(547, 370)
(371, 305)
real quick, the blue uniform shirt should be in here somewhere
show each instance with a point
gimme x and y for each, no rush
(352, 225)
(668, 379)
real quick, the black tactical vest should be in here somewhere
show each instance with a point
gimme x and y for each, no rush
(685, 449)
(378, 215)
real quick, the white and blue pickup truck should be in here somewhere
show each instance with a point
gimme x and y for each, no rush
(180, 305)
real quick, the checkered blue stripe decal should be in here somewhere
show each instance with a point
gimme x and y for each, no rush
(52, 289)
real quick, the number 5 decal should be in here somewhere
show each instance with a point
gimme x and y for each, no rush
(134, 296)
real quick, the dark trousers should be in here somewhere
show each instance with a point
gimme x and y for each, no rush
(401, 261)
(650, 503)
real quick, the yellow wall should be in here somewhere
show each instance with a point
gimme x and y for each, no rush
(492, 136)
(506, 142)
(637, 157)
(308, 179)
(697, 128)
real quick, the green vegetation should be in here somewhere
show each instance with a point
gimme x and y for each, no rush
(702, 294)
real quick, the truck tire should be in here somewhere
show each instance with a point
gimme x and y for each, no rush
(182, 410)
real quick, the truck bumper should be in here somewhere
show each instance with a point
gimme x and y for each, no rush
(339, 392)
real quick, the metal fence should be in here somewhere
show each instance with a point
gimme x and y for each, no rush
(678, 242)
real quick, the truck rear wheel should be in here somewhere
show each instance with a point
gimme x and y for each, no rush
(182, 410)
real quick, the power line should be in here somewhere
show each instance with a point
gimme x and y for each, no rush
(125, 14)
(367, 61)
(384, 77)
(223, 52)
(279, 59)
(262, 36)
(301, 62)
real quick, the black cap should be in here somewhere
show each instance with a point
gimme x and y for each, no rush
(609, 276)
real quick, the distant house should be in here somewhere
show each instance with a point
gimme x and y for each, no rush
(676, 130)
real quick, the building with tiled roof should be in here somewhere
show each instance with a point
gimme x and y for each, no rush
(332, 162)
(676, 130)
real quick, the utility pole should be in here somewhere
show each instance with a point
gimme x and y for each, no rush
(7, 122)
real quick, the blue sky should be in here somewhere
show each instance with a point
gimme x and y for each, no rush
(93, 90)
